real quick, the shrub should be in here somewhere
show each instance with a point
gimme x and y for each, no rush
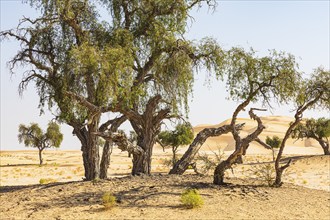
(108, 200)
(47, 180)
(191, 199)
(265, 173)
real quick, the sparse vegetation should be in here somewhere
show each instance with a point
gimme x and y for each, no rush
(207, 162)
(108, 200)
(191, 198)
(264, 172)
(47, 180)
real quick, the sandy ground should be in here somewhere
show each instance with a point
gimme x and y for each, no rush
(304, 195)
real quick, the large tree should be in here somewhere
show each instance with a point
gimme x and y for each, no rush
(163, 67)
(317, 129)
(313, 93)
(34, 136)
(73, 58)
(136, 63)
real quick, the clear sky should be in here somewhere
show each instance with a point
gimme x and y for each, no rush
(298, 27)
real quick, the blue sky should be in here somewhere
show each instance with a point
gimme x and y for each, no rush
(298, 27)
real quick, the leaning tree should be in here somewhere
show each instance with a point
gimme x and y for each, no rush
(317, 129)
(34, 136)
(251, 79)
(313, 93)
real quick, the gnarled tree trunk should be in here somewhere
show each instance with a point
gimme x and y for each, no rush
(241, 146)
(325, 146)
(142, 162)
(107, 149)
(181, 165)
(105, 160)
(90, 151)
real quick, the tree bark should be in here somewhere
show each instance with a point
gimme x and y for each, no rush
(181, 165)
(108, 146)
(40, 157)
(90, 152)
(142, 162)
(241, 146)
(105, 161)
(325, 146)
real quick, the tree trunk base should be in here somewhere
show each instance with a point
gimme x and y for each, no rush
(219, 173)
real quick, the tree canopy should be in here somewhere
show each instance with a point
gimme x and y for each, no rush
(318, 129)
(274, 141)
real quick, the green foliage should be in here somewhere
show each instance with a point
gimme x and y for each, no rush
(108, 200)
(191, 199)
(47, 180)
(274, 142)
(31, 135)
(312, 128)
(315, 88)
(261, 78)
(182, 135)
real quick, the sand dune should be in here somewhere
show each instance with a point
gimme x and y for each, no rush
(275, 125)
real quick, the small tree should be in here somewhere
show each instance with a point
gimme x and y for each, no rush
(273, 142)
(316, 129)
(313, 93)
(33, 136)
(182, 135)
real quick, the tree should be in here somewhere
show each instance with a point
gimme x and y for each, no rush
(273, 142)
(33, 136)
(78, 64)
(318, 129)
(163, 68)
(138, 64)
(182, 135)
(252, 79)
(313, 93)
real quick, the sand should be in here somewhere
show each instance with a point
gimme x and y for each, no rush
(304, 195)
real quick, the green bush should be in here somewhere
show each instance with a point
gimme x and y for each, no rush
(108, 200)
(191, 199)
(47, 180)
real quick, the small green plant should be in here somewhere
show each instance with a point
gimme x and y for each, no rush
(167, 162)
(108, 200)
(96, 181)
(265, 173)
(208, 162)
(47, 180)
(191, 199)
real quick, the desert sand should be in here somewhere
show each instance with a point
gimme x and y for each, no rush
(304, 195)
